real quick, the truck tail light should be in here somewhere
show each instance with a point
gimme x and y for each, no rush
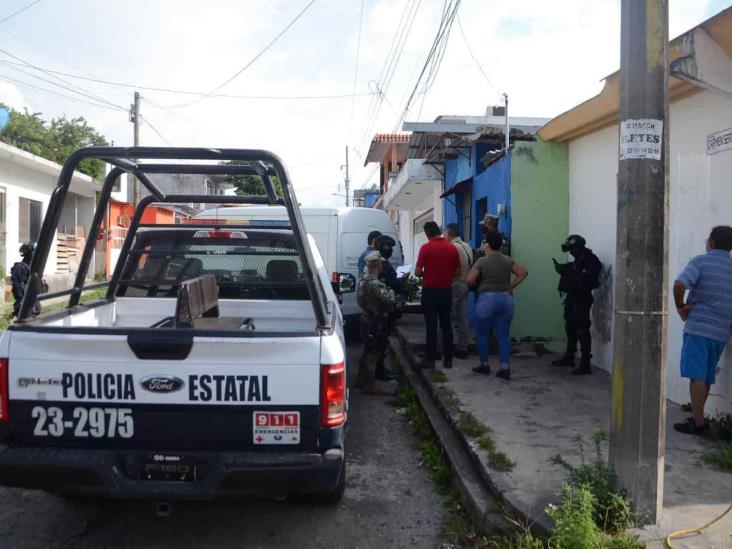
(4, 395)
(332, 395)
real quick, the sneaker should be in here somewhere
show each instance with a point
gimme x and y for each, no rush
(689, 427)
(504, 373)
(564, 361)
(581, 371)
(482, 369)
(461, 354)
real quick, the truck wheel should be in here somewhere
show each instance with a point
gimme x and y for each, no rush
(333, 496)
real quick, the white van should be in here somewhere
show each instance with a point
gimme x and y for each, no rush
(340, 233)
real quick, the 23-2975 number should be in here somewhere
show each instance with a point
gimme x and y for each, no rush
(84, 422)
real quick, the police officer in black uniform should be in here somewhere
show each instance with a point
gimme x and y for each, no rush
(19, 277)
(577, 280)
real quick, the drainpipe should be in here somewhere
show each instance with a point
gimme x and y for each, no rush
(505, 98)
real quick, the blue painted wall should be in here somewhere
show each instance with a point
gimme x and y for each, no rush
(370, 198)
(494, 185)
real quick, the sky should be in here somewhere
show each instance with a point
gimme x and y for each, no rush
(547, 56)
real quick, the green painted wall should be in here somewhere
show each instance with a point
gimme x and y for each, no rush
(540, 218)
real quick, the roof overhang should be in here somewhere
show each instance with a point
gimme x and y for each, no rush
(602, 110)
(81, 184)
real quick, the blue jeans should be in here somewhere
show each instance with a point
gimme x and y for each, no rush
(494, 310)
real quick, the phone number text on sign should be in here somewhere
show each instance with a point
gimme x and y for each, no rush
(641, 138)
(720, 141)
(276, 427)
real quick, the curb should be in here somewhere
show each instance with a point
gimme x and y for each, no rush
(495, 483)
(478, 501)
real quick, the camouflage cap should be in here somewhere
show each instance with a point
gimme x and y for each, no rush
(373, 258)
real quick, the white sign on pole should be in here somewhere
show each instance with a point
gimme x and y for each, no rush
(720, 141)
(641, 138)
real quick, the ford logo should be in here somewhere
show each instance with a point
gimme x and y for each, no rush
(161, 384)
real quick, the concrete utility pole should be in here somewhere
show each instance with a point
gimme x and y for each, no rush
(135, 119)
(348, 180)
(637, 438)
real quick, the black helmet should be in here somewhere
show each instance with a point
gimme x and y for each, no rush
(27, 249)
(574, 242)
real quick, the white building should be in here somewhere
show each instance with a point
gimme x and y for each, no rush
(700, 185)
(26, 183)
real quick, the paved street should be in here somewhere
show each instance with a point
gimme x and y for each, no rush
(389, 502)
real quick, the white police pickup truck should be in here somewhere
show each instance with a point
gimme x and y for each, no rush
(215, 365)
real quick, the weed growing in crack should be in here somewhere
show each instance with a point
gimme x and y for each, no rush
(485, 442)
(721, 457)
(500, 462)
(448, 398)
(612, 511)
(470, 425)
(438, 376)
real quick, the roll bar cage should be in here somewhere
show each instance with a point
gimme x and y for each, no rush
(132, 160)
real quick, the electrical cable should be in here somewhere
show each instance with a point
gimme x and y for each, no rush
(21, 10)
(690, 531)
(46, 90)
(69, 87)
(251, 61)
(103, 101)
(475, 59)
(153, 128)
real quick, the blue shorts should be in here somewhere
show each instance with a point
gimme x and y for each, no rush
(699, 358)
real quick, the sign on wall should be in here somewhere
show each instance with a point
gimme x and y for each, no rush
(720, 141)
(641, 138)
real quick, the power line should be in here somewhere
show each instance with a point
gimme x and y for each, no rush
(67, 88)
(153, 128)
(355, 72)
(251, 62)
(21, 10)
(475, 59)
(46, 90)
(193, 92)
(431, 64)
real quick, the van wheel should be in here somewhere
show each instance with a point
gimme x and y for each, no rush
(333, 496)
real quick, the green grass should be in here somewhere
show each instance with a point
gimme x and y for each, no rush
(721, 458)
(438, 376)
(485, 442)
(448, 397)
(6, 315)
(471, 426)
(498, 461)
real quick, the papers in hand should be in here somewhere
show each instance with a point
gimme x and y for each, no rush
(403, 270)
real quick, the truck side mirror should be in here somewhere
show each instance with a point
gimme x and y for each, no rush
(343, 283)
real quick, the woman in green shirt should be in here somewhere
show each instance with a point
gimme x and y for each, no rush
(494, 307)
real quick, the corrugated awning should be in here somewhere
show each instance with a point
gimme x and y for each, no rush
(457, 187)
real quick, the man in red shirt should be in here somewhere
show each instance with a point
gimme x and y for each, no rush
(438, 262)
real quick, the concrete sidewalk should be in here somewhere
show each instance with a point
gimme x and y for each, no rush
(540, 412)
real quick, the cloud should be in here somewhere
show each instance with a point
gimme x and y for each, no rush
(12, 97)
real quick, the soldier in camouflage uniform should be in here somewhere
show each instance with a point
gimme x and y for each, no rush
(377, 302)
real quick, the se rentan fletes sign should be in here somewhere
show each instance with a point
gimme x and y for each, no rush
(641, 138)
(720, 141)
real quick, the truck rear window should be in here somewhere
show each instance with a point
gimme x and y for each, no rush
(247, 263)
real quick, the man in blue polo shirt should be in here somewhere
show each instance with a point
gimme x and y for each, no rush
(707, 316)
(373, 235)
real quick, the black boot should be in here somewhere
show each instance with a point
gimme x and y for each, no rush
(566, 360)
(583, 369)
